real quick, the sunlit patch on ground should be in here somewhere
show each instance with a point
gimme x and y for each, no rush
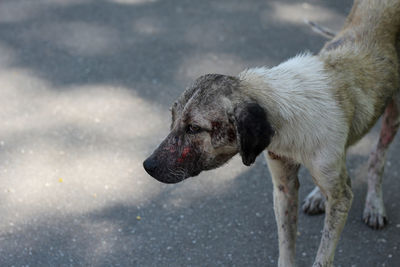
(73, 150)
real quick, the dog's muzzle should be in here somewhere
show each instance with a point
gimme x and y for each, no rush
(158, 171)
(150, 165)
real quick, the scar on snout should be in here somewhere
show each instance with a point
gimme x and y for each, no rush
(185, 152)
(274, 156)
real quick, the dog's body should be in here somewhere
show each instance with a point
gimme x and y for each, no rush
(307, 111)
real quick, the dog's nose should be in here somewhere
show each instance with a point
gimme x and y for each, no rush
(150, 165)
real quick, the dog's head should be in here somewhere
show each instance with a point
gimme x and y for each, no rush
(211, 122)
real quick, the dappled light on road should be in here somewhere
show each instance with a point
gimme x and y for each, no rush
(72, 150)
(85, 91)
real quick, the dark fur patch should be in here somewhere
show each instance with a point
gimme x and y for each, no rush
(255, 132)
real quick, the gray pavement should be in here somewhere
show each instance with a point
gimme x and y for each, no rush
(85, 87)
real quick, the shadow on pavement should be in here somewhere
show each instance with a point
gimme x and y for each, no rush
(153, 47)
(85, 90)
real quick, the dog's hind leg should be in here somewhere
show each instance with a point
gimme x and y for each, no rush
(314, 203)
(374, 212)
(286, 185)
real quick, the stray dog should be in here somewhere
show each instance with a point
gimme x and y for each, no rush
(307, 110)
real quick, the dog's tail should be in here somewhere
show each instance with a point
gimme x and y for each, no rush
(327, 33)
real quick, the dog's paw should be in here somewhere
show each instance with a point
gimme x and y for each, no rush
(314, 203)
(374, 212)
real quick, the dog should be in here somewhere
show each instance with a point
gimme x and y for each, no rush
(306, 111)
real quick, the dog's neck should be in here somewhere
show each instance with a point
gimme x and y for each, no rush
(296, 95)
(287, 90)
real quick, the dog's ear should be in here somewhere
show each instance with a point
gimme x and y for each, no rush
(254, 131)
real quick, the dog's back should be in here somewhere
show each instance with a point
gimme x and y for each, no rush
(369, 22)
(366, 49)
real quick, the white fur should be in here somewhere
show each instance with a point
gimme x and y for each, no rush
(300, 107)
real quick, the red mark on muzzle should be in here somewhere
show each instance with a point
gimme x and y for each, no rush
(185, 152)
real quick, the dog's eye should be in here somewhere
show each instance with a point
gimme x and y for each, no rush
(193, 129)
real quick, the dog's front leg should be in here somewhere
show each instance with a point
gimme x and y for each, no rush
(335, 183)
(286, 185)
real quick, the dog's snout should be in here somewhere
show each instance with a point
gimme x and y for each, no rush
(150, 165)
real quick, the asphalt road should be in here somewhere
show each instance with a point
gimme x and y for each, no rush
(85, 87)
